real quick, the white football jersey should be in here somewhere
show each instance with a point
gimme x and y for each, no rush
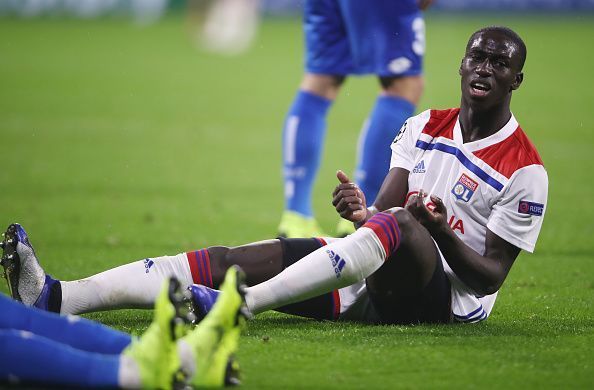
(497, 182)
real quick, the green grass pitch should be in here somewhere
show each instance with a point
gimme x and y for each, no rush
(120, 142)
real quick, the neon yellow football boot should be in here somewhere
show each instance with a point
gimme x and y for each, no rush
(216, 337)
(296, 225)
(155, 351)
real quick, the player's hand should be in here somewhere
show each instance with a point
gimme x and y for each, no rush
(432, 215)
(349, 200)
(424, 4)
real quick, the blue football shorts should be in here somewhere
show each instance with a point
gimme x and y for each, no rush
(355, 37)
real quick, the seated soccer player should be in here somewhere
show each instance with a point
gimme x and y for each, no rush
(40, 348)
(466, 191)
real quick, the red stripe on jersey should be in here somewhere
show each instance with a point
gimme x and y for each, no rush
(193, 262)
(441, 123)
(336, 301)
(513, 153)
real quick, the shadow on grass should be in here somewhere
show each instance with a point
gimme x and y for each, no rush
(530, 326)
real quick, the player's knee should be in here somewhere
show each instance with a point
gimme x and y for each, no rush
(406, 221)
(220, 261)
(407, 87)
(326, 86)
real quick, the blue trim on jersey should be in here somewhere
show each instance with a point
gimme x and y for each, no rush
(472, 317)
(472, 167)
(471, 314)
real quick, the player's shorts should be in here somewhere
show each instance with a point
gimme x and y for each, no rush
(356, 303)
(382, 37)
(431, 305)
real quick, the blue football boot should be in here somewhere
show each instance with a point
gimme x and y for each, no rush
(204, 298)
(27, 281)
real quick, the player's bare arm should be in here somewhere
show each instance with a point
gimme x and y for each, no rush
(393, 191)
(484, 274)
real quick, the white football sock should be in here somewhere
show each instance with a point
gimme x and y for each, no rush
(128, 373)
(134, 285)
(187, 357)
(336, 265)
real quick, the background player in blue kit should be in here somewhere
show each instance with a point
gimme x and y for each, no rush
(349, 37)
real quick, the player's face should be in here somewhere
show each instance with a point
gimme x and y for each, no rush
(490, 70)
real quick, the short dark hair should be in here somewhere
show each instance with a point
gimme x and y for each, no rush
(508, 33)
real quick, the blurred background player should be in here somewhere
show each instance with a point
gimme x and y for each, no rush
(41, 348)
(225, 27)
(349, 37)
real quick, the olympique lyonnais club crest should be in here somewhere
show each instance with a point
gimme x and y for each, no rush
(464, 188)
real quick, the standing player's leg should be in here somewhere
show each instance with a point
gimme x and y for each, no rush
(328, 60)
(303, 140)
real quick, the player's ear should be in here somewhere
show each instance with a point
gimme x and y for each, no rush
(517, 82)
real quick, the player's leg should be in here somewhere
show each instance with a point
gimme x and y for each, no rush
(137, 284)
(327, 61)
(411, 286)
(290, 251)
(303, 141)
(54, 358)
(76, 332)
(322, 307)
(131, 285)
(31, 359)
(358, 256)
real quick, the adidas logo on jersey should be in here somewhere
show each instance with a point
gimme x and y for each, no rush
(337, 262)
(420, 167)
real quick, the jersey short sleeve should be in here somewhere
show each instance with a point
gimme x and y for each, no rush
(404, 145)
(517, 215)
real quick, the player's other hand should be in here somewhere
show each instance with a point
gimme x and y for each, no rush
(349, 200)
(433, 215)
